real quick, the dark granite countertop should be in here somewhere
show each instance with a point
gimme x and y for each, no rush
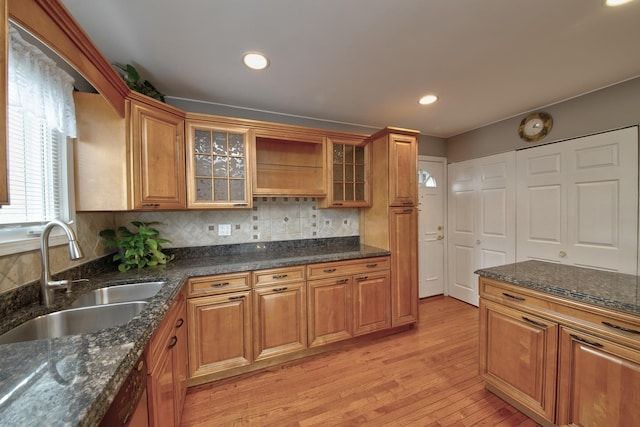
(605, 289)
(72, 380)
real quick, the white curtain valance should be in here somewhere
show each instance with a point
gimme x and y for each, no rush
(38, 86)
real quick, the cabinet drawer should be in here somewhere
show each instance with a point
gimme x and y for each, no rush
(610, 324)
(218, 284)
(347, 268)
(278, 275)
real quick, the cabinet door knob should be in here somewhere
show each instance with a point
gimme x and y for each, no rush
(440, 237)
(562, 254)
(478, 242)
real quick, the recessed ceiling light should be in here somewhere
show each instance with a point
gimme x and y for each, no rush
(616, 2)
(255, 60)
(428, 99)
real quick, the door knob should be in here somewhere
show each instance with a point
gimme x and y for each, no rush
(439, 227)
(440, 237)
(478, 242)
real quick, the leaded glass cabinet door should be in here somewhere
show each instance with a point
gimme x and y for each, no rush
(217, 166)
(349, 175)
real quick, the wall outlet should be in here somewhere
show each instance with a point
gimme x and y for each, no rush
(224, 229)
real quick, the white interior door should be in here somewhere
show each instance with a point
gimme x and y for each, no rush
(481, 211)
(578, 202)
(431, 225)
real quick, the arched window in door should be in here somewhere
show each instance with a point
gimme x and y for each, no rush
(426, 179)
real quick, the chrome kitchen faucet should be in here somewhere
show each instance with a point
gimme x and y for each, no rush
(47, 286)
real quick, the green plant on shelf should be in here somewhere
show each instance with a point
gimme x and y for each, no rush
(137, 249)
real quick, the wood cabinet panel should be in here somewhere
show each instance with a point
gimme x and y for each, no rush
(158, 153)
(279, 320)
(599, 381)
(371, 299)
(166, 358)
(219, 332)
(330, 310)
(403, 224)
(518, 354)
(403, 170)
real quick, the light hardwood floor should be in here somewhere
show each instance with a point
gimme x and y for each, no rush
(427, 376)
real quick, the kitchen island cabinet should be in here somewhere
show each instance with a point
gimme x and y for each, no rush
(562, 343)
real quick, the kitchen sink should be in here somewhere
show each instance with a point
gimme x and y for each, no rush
(74, 321)
(119, 293)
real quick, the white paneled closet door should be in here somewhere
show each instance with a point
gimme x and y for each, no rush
(578, 202)
(482, 219)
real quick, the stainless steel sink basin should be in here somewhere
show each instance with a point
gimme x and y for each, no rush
(119, 293)
(74, 321)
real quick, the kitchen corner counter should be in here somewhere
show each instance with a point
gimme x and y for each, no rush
(620, 292)
(72, 380)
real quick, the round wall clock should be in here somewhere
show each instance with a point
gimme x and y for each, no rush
(535, 126)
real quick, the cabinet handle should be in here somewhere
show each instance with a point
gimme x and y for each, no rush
(236, 298)
(341, 281)
(329, 270)
(533, 322)
(407, 202)
(179, 323)
(151, 204)
(407, 210)
(219, 285)
(280, 276)
(361, 278)
(338, 204)
(584, 341)
(513, 297)
(372, 265)
(620, 328)
(280, 289)
(240, 204)
(174, 341)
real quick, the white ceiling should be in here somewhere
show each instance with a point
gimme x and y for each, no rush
(367, 62)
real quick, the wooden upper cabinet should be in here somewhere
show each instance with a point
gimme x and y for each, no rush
(217, 166)
(157, 140)
(288, 165)
(347, 174)
(4, 179)
(403, 170)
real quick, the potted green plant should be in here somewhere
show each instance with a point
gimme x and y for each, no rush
(132, 78)
(136, 249)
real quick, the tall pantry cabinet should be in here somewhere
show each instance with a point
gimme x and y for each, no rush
(392, 220)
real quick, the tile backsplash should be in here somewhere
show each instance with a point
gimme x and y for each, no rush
(271, 219)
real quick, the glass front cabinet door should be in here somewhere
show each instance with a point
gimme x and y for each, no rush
(348, 172)
(217, 161)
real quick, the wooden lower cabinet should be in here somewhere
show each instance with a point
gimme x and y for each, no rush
(371, 299)
(167, 362)
(219, 332)
(279, 319)
(330, 310)
(518, 353)
(598, 383)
